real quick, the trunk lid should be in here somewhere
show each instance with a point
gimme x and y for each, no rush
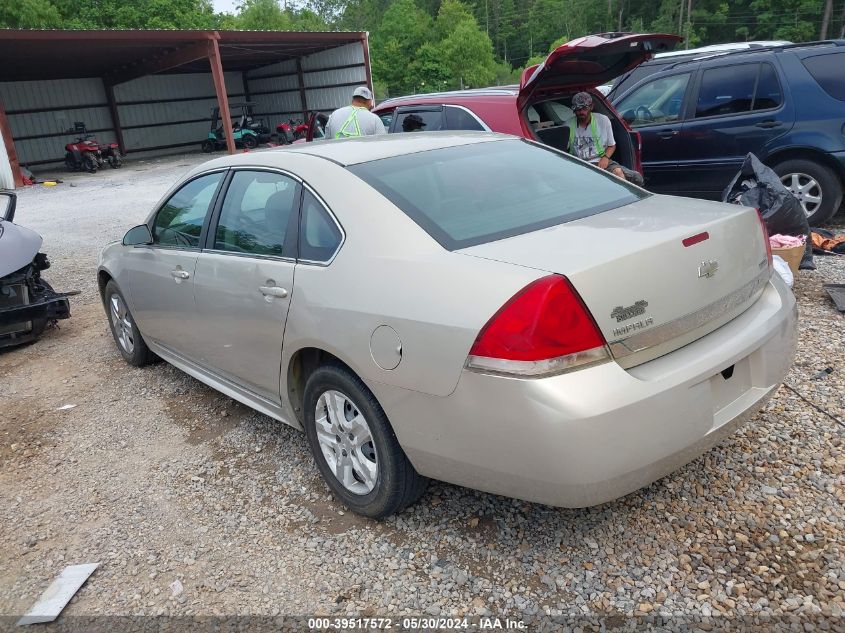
(648, 288)
(592, 60)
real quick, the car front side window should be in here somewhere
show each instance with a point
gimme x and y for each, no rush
(655, 103)
(256, 213)
(179, 222)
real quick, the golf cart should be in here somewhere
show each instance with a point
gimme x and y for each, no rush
(247, 131)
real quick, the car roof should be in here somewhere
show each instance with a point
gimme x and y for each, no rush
(497, 91)
(750, 52)
(363, 149)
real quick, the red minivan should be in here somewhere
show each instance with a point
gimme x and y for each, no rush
(539, 107)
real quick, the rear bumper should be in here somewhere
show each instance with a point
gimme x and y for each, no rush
(593, 435)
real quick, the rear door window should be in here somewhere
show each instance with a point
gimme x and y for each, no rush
(423, 119)
(319, 235)
(768, 94)
(726, 90)
(829, 73)
(257, 210)
(482, 192)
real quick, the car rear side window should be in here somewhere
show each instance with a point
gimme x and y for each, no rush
(829, 73)
(768, 94)
(319, 235)
(478, 193)
(179, 222)
(460, 119)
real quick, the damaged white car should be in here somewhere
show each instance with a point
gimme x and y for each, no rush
(28, 304)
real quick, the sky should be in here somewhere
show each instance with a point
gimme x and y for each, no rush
(225, 6)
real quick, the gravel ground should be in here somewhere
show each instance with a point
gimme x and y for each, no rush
(160, 479)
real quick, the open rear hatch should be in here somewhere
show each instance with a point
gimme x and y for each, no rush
(590, 61)
(656, 274)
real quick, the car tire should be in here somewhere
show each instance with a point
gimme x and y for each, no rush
(90, 164)
(130, 343)
(809, 178)
(208, 147)
(249, 141)
(380, 479)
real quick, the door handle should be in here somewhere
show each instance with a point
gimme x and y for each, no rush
(273, 291)
(180, 274)
(667, 134)
(769, 124)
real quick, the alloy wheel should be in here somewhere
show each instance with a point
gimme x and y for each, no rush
(346, 442)
(806, 190)
(121, 322)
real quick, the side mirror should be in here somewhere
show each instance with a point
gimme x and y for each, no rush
(138, 235)
(8, 202)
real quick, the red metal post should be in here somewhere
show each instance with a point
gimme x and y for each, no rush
(6, 131)
(220, 87)
(365, 44)
(302, 99)
(115, 117)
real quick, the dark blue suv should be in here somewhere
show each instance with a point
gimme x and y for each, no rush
(699, 118)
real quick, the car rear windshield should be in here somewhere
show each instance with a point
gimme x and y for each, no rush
(479, 193)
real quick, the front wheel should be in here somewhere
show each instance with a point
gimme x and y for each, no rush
(354, 446)
(126, 334)
(249, 141)
(115, 161)
(816, 187)
(89, 163)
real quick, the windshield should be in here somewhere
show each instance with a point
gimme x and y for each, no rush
(473, 194)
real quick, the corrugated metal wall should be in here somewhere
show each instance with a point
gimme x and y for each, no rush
(329, 78)
(59, 105)
(170, 110)
(162, 114)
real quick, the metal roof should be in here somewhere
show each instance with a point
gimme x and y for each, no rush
(116, 54)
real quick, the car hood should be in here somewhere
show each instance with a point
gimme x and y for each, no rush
(18, 246)
(592, 60)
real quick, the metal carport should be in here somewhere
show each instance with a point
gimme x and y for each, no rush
(151, 91)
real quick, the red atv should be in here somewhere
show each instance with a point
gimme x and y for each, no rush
(86, 153)
(291, 131)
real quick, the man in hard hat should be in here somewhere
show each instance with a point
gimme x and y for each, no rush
(356, 119)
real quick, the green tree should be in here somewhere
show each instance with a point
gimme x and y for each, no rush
(403, 30)
(29, 14)
(468, 53)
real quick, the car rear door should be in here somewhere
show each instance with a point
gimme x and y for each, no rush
(244, 280)
(737, 108)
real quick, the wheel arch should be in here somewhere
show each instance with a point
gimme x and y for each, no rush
(806, 153)
(103, 278)
(301, 365)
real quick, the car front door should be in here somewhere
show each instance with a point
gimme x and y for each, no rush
(161, 282)
(244, 280)
(737, 109)
(655, 109)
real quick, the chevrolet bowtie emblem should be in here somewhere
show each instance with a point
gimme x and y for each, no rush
(708, 269)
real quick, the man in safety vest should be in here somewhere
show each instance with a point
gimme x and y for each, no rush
(592, 138)
(356, 119)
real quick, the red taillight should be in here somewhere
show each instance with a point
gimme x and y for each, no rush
(543, 329)
(766, 239)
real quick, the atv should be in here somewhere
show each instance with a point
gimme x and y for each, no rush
(28, 304)
(86, 153)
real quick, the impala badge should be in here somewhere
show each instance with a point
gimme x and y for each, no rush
(623, 314)
(708, 269)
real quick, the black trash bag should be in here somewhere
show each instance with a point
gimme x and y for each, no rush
(758, 186)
